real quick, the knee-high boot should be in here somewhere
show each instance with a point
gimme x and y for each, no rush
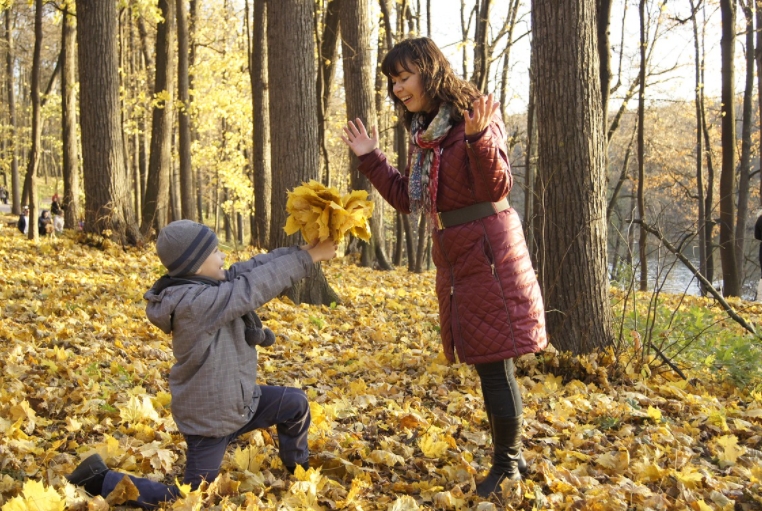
(522, 460)
(506, 438)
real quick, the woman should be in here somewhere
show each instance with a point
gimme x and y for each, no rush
(490, 307)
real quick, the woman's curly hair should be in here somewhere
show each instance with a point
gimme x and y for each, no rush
(439, 80)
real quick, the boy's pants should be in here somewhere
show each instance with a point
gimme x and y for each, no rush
(285, 407)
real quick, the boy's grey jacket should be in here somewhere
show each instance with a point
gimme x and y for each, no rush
(214, 379)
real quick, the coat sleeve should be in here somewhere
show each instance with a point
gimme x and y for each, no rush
(392, 185)
(488, 161)
(260, 259)
(758, 229)
(218, 305)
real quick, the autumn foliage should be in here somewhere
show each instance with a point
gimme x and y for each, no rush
(394, 426)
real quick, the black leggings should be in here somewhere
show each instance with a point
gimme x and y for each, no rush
(500, 389)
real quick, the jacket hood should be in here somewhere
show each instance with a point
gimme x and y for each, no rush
(162, 302)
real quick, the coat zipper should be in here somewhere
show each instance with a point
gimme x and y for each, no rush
(457, 339)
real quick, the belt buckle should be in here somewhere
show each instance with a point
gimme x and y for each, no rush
(440, 224)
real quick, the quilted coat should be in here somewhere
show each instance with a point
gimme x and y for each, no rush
(490, 306)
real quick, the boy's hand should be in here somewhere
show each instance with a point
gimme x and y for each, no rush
(323, 251)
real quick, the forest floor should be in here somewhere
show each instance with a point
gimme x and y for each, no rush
(394, 427)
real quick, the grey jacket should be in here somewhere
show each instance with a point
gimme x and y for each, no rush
(214, 379)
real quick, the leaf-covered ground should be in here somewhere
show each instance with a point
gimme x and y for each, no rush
(394, 427)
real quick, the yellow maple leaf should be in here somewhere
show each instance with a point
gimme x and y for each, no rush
(654, 413)
(406, 503)
(731, 451)
(36, 497)
(431, 446)
(689, 476)
(618, 461)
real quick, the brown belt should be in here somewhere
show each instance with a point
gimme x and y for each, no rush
(471, 213)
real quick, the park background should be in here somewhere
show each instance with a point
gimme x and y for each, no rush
(142, 112)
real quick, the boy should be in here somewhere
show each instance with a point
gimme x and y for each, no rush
(215, 397)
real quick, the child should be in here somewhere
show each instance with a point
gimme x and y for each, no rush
(215, 397)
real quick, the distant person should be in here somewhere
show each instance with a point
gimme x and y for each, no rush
(45, 223)
(3, 195)
(57, 211)
(215, 331)
(23, 223)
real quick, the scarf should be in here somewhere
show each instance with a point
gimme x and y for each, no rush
(255, 333)
(426, 152)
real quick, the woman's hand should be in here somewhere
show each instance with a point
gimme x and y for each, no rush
(480, 115)
(356, 137)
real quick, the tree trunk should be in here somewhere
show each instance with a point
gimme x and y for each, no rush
(36, 149)
(745, 164)
(481, 54)
(329, 51)
(293, 96)
(571, 167)
(156, 202)
(603, 24)
(184, 147)
(9, 74)
(261, 112)
(69, 122)
(643, 239)
(108, 208)
(358, 82)
(730, 282)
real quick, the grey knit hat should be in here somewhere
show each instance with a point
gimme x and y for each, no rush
(184, 245)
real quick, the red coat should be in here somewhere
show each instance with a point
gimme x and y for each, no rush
(490, 306)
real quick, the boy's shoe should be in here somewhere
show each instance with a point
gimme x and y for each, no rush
(90, 474)
(292, 469)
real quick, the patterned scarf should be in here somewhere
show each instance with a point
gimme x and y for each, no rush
(424, 172)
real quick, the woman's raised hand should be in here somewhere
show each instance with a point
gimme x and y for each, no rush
(356, 137)
(480, 115)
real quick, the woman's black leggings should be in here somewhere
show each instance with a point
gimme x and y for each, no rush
(500, 389)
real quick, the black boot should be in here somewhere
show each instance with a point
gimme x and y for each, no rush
(506, 439)
(522, 460)
(90, 474)
(292, 468)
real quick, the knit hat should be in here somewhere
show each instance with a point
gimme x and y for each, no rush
(184, 245)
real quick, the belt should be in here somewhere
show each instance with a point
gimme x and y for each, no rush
(471, 213)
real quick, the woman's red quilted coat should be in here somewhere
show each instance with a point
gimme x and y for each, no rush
(490, 306)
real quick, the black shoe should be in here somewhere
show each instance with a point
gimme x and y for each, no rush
(90, 474)
(292, 468)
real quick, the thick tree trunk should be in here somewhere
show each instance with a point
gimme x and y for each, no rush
(571, 167)
(293, 97)
(69, 122)
(184, 147)
(156, 202)
(261, 112)
(108, 208)
(730, 282)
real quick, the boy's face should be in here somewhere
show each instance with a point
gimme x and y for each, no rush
(212, 266)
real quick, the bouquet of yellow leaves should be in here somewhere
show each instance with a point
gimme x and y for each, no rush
(322, 213)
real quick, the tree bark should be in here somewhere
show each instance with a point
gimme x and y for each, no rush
(702, 213)
(481, 55)
(643, 239)
(184, 147)
(293, 96)
(730, 281)
(571, 168)
(261, 112)
(36, 149)
(745, 163)
(358, 81)
(69, 121)
(108, 209)
(9, 57)
(156, 202)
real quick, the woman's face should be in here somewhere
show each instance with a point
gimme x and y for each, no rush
(408, 87)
